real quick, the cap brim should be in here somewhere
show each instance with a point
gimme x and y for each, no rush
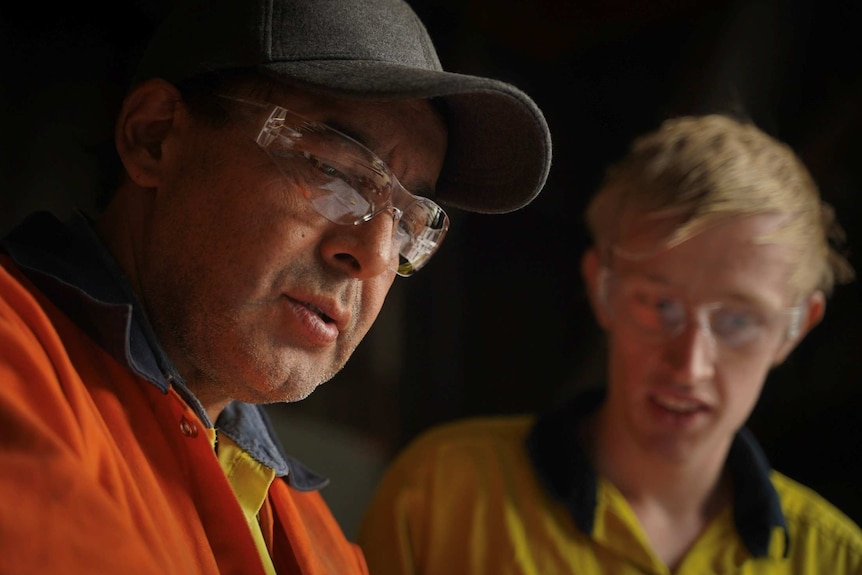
(499, 152)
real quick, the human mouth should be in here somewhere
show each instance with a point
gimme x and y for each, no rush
(318, 311)
(321, 322)
(679, 411)
(678, 404)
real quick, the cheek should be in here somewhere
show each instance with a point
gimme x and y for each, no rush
(744, 379)
(257, 219)
(631, 360)
(374, 292)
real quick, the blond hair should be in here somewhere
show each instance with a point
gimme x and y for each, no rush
(700, 169)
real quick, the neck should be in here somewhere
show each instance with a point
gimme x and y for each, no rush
(674, 498)
(123, 227)
(680, 483)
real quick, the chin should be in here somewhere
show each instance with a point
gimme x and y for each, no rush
(296, 386)
(297, 394)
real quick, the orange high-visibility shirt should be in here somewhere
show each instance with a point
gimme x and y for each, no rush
(104, 472)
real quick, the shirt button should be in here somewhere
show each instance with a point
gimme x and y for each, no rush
(188, 428)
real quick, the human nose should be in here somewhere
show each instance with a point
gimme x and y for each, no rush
(692, 353)
(363, 250)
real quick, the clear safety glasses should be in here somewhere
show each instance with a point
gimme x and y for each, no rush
(348, 184)
(660, 314)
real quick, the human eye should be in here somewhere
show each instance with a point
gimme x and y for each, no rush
(409, 228)
(333, 193)
(653, 308)
(326, 168)
(736, 326)
(669, 312)
(417, 218)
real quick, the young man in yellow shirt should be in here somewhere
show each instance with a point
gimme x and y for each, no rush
(711, 260)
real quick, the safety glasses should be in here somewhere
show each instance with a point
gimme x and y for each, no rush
(659, 313)
(347, 183)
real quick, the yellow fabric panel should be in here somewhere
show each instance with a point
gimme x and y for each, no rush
(463, 499)
(250, 481)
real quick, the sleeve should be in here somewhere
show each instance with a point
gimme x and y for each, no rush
(390, 533)
(431, 512)
(448, 504)
(55, 515)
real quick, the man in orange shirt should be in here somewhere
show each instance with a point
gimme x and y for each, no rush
(277, 161)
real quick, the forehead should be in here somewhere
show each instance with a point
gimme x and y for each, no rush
(408, 135)
(730, 259)
(373, 122)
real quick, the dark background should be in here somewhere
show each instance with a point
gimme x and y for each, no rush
(498, 322)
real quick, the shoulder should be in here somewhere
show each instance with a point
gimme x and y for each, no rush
(12, 283)
(464, 444)
(19, 307)
(456, 467)
(474, 433)
(811, 517)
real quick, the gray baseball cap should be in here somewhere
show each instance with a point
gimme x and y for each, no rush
(499, 150)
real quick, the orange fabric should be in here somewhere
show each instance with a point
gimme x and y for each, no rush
(308, 537)
(103, 473)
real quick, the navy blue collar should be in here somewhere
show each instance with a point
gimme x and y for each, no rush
(69, 264)
(558, 456)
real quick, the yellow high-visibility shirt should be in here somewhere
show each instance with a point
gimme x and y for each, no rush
(510, 496)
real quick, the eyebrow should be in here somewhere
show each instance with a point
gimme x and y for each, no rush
(735, 296)
(422, 189)
(348, 132)
(649, 276)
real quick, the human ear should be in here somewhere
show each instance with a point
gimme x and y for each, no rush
(594, 275)
(812, 312)
(146, 117)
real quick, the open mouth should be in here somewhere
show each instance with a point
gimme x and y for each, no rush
(317, 326)
(678, 405)
(319, 312)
